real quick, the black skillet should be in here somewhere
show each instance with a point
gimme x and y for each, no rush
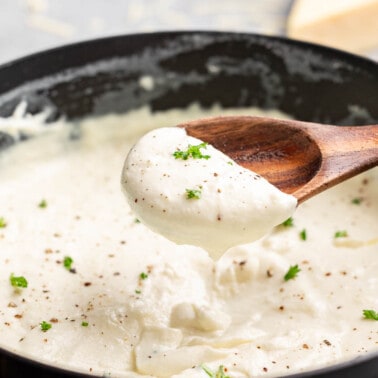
(309, 82)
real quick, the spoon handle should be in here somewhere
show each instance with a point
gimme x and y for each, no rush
(345, 152)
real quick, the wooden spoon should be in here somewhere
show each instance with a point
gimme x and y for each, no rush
(300, 158)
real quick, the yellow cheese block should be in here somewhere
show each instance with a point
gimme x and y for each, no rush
(350, 25)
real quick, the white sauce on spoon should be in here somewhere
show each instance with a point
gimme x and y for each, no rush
(192, 193)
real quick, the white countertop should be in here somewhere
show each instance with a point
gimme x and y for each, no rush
(28, 26)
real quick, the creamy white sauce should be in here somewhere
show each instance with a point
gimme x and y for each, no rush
(207, 200)
(185, 310)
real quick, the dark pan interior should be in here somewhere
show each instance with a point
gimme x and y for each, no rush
(309, 82)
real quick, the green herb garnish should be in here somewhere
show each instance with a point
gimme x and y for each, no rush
(357, 200)
(143, 276)
(138, 291)
(370, 314)
(42, 204)
(18, 281)
(303, 234)
(341, 234)
(192, 151)
(292, 272)
(193, 193)
(289, 222)
(3, 223)
(137, 220)
(67, 262)
(84, 324)
(45, 326)
(220, 373)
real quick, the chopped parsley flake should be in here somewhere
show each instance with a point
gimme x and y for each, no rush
(143, 276)
(3, 223)
(67, 262)
(192, 151)
(45, 326)
(42, 204)
(220, 373)
(357, 200)
(370, 314)
(289, 222)
(292, 272)
(84, 324)
(18, 281)
(138, 291)
(137, 220)
(193, 193)
(230, 163)
(341, 234)
(303, 234)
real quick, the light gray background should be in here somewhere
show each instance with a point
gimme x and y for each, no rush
(28, 26)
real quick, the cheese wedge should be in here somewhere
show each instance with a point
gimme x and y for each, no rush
(350, 25)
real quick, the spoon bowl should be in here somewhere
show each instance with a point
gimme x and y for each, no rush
(300, 158)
